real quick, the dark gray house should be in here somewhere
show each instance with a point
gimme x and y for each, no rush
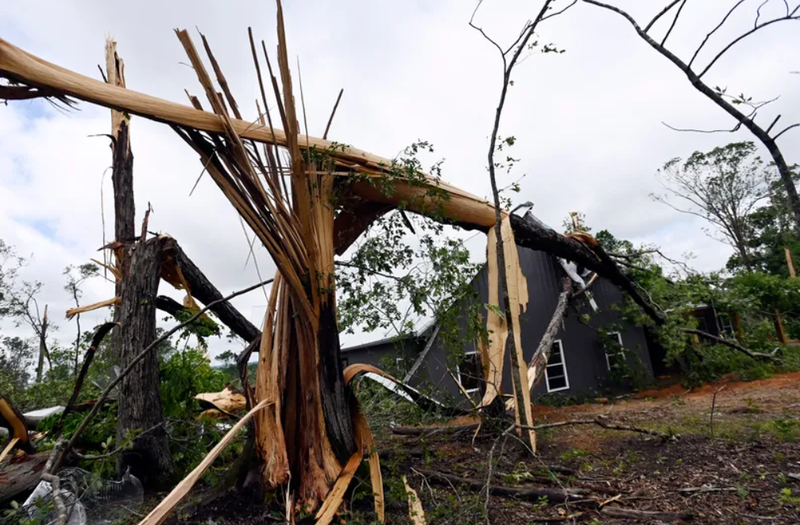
(580, 364)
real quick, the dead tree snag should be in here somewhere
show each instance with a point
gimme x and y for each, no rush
(139, 395)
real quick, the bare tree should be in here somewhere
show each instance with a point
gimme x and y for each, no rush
(76, 276)
(722, 187)
(741, 108)
(138, 269)
(510, 57)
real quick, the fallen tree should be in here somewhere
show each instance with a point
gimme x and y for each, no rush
(309, 434)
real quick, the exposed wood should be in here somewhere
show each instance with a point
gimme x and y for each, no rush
(226, 400)
(779, 329)
(513, 286)
(72, 312)
(367, 442)
(139, 395)
(789, 261)
(13, 420)
(633, 514)
(415, 511)
(20, 474)
(540, 358)
(122, 180)
(161, 512)
(553, 495)
(62, 447)
(462, 207)
(334, 498)
(7, 448)
(42, 333)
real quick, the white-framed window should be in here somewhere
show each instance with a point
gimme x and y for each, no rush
(726, 325)
(401, 364)
(615, 354)
(471, 366)
(555, 372)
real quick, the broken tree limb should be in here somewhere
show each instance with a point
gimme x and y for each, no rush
(540, 358)
(160, 513)
(603, 422)
(72, 312)
(57, 461)
(98, 337)
(531, 234)
(169, 305)
(633, 514)
(731, 344)
(422, 355)
(553, 495)
(465, 209)
(415, 511)
(204, 291)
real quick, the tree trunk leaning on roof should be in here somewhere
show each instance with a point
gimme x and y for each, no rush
(308, 430)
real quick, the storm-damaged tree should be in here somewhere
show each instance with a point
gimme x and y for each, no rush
(741, 107)
(307, 199)
(137, 272)
(507, 318)
(723, 187)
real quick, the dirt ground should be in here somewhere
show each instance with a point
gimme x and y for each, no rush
(748, 472)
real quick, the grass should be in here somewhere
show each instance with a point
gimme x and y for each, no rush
(780, 429)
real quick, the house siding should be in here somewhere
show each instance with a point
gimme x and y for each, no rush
(586, 366)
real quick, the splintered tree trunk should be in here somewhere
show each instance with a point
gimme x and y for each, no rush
(139, 396)
(122, 179)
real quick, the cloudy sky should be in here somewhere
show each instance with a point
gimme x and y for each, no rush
(588, 122)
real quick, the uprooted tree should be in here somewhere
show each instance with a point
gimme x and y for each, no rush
(307, 199)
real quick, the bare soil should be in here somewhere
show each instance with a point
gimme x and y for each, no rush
(741, 475)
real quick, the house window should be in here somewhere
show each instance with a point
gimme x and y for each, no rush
(726, 325)
(469, 372)
(555, 372)
(616, 354)
(400, 363)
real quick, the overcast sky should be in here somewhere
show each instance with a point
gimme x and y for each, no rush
(588, 122)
